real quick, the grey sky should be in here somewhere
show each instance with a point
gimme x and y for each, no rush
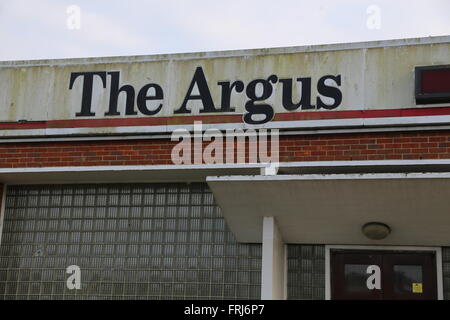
(37, 29)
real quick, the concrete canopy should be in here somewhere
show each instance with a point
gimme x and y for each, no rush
(332, 208)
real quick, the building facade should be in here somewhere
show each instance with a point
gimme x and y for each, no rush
(319, 172)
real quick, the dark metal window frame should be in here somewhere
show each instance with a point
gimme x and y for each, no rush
(428, 98)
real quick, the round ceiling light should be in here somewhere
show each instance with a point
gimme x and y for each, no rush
(376, 230)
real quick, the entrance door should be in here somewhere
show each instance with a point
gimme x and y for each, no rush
(377, 275)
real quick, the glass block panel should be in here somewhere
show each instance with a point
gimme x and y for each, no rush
(306, 272)
(131, 241)
(446, 271)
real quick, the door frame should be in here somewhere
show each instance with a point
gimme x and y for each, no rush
(436, 250)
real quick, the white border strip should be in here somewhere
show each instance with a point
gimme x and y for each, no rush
(113, 137)
(364, 163)
(281, 125)
(297, 164)
(133, 168)
(437, 250)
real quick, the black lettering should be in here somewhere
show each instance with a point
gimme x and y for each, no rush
(143, 97)
(114, 96)
(305, 99)
(86, 100)
(263, 108)
(204, 94)
(328, 91)
(227, 89)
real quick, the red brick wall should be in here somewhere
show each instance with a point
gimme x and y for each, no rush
(367, 146)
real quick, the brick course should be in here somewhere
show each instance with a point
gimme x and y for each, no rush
(329, 147)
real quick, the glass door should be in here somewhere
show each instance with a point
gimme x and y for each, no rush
(377, 275)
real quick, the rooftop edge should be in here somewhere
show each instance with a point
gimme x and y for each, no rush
(231, 53)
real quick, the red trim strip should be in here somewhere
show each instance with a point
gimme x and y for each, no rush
(354, 114)
(234, 118)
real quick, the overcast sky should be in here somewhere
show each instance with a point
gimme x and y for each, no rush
(44, 29)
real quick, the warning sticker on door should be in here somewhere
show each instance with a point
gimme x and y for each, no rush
(417, 288)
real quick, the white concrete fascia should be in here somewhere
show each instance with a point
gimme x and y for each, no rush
(362, 176)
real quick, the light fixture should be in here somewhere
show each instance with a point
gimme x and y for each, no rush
(376, 230)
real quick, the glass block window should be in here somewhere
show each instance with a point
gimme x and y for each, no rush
(306, 272)
(131, 241)
(446, 271)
